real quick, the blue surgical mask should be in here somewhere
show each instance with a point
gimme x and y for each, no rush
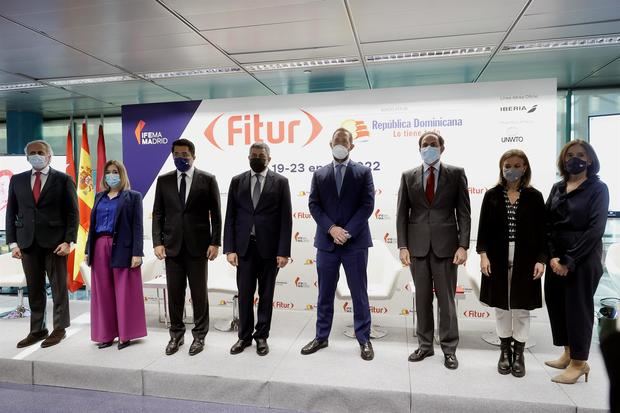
(38, 162)
(113, 180)
(430, 154)
(182, 164)
(575, 166)
(512, 174)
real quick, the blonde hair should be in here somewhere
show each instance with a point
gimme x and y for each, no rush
(527, 175)
(122, 173)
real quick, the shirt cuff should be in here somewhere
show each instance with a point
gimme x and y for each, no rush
(12, 245)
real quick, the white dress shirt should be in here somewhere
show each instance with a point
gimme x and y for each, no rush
(188, 180)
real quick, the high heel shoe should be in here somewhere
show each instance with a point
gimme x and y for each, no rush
(558, 364)
(572, 374)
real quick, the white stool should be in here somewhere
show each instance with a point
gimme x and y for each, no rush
(383, 271)
(12, 276)
(223, 279)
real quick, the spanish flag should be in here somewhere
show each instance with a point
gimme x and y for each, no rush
(86, 199)
(74, 280)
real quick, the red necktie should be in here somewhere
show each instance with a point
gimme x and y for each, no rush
(430, 185)
(36, 188)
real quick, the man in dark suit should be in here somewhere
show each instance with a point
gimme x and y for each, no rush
(433, 223)
(41, 223)
(342, 198)
(257, 240)
(187, 225)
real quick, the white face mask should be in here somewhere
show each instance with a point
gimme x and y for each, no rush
(430, 154)
(340, 152)
(38, 162)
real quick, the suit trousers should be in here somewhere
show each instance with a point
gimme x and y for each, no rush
(431, 272)
(253, 268)
(328, 264)
(179, 270)
(570, 303)
(37, 262)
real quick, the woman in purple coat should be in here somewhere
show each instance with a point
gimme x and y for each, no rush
(114, 251)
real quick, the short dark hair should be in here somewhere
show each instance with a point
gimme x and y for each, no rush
(593, 168)
(425, 134)
(343, 130)
(185, 142)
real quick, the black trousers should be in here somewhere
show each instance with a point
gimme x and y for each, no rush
(253, 268)
(179, 270)
(37, 262)
(570, 303)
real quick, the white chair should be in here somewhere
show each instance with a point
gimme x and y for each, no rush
(85, 272)
(612, 263)
(223, 279)
(383, 271)
(12, 276)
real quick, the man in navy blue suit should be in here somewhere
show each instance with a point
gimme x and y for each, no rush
(342, 198)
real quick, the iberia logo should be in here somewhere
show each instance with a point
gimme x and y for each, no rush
(148, 137)
(248, 128)
(357, 128)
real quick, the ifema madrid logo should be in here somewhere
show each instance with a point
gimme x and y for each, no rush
(146, 137)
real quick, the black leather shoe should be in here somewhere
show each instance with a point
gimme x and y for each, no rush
(367, 352)
(106, 344)
(54, 338)
(262, 349)
(420, 354)
(197, 346)
(32, 339)
(450, 361)
(313, 346)
(124, 344)
(239, 346)
(173, 345)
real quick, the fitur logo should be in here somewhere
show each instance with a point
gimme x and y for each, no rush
(148, 137)
(302, 215)
(357, 128)
(246, 129)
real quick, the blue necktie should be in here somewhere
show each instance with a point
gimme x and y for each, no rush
(339, 177)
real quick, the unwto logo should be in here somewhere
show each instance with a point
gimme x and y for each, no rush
(148, 137)
(248, 128)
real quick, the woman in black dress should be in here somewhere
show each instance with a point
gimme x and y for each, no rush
(576, 218)
(511, 244)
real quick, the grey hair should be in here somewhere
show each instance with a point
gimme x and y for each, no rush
(42, 142)
(261, 146)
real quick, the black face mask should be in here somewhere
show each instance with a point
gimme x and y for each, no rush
(258, 164)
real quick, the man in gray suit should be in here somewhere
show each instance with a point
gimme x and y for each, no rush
(433, 224)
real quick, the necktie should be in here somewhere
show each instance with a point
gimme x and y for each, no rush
(430, 185)
(339, 177)
(183, 189)
(256, 191)
(36, 188)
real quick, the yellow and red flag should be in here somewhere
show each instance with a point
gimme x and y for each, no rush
(74, 279)
(101, 158)
(86, 199)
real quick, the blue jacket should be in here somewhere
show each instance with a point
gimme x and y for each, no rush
(127, 239)
(350, 210)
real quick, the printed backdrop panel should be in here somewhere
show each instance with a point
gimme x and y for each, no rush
(478, 121)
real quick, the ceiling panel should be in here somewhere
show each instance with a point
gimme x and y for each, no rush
(568, 66)
(404, 19)
(130, 92)
(609, 75)
(435, 43)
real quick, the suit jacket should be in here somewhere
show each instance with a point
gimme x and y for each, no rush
(530, 248)
(196, 226)
(50, 222)
(272, 218)
(440, 227)
(350, 210)
(128, 235)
